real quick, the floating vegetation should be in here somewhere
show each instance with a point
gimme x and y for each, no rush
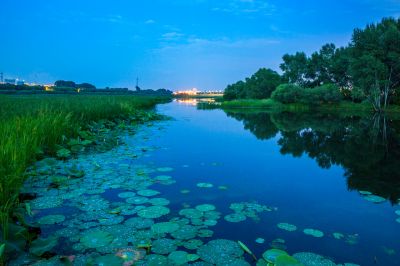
(205, 185)
(148, 193)
(260, 240)
(164, 246)
(374, 198)
(185, 191)
(313, 232)
(137, 200)
(51, 219)
(193, 244)
(159, 201)
(247, 250)
(96, 238)
(312, 259)
(153, 212)
(278, 243)
(222, 187)
(205, 207)
(164, 228)
(191, 213)
(272, 254)
(287, 227)
(338, 236)
(178, 257)
(46, 202)
(41, 245)
(235, 217)
(125, 195)
(185, 232)
(221, 252)
(165, 169)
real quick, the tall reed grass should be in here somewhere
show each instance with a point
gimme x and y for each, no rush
(29, 124)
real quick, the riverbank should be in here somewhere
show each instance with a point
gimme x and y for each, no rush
(34, 127)
(269, 104)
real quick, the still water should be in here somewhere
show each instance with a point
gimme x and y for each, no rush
(337, 175)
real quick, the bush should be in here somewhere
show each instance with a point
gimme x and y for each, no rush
(289, 93)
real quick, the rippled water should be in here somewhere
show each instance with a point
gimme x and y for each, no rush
(305, 170)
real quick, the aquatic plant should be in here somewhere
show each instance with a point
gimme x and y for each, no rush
(247, 250)
(313, 232)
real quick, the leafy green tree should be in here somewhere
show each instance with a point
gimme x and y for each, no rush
(262, 84)
(375, 65)
(66, 84)
(294, 68)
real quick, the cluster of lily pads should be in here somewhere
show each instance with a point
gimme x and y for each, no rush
(244, 210)
(97, 211)
(371, 197)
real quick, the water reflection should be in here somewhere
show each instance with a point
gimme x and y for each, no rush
(368, 148)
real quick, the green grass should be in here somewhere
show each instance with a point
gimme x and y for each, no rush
(29, 124)
(293, 107)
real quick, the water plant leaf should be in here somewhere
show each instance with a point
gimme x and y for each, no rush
(272, 254)
(63, 153)
(42, 245)
(205, 207)
(287, 227)
(260, 240)
(178, 257)
(247, 250)
(286, 260)
(153, 212)
(164, 246)
(235, 217)
(164, 228)
(374, 199)
(205, 185)
(313, 232)
(125, 195)
(193, 244)
(52, 219)
(159, 201)
(165, 169)
(148, 193)
(220, 252)
(311, 259)
(96, 238)
(2, 248)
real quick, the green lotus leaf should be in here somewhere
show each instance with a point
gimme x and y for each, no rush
(125, 195)
(193, 244)
(235, 217)
(178, 257)
(313, 232)
(338, 235)
(52, 219)
(46, 202)
(286, 260)
(260, 240)
(287, 227)
(42, 245)
(191, 213)
(159, 201)
(165, 169)
(311, 259)
(96, 238)
(163, 177)
(205, 207)
(205, 185)
(272, 254)
(164, 246)
(108, 260)
(153, 212)
(220, 252)
(137, 200)
(374, 198)
(148, 193)
(164, 228)
(63, 153)
(193, 257)
(205, 233)
(185, 232)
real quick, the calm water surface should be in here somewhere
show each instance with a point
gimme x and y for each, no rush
(310, 167)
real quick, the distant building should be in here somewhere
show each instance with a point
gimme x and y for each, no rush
(10, 81)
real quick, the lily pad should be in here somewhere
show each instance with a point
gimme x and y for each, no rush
(205, 207)
(312, 259)
(63, 153)
(272, 254)
(164, 246)
(125, 195)
(193, 244)
(235, 217)
(260, 240)
(52, 219)
(95, 239)
(191, 213)
(148, 193)
(178, 257)
(313, 232)
(153, 212)
(287, 227)
(165, 169)
(164, 228)
(137, 200)
(42, 245)
(185, 232)
(374, 198)
(139, 223)
(159, 201)
(286, 260)
(205, 185)
(220, 252)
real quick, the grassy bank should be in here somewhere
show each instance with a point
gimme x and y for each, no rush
(296, 107)
(31, 126)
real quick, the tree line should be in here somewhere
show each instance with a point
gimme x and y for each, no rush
(367, 69)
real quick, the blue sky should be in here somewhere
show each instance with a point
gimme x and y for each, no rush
(173, 44)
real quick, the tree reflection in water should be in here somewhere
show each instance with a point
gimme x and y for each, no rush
(367, 147)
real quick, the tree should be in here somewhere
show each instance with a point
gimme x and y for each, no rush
(375, 65)
(294, 68)
(66, 84)
(262, 84)
(85, 86)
